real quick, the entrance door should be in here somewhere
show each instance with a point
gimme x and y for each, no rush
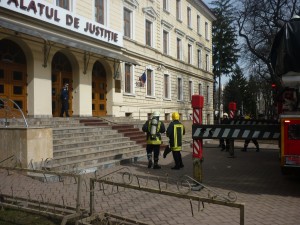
(99, 90)
(61, 74)
(13, 79)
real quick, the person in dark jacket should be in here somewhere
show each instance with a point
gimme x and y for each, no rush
(175, 132)
(64, 97)
(154, 128)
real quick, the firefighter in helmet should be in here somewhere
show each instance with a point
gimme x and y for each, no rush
(175, 132)
(154, 128)
(224, 143)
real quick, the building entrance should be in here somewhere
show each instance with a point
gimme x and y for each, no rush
(61, 74)
(99, 90)
(13, 78)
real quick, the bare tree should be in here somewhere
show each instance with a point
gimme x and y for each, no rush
(258, 22)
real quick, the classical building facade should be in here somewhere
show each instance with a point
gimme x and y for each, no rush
(120, 57)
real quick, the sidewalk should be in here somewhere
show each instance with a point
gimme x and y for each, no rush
(269, 197)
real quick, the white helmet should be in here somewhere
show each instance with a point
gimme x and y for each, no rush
(225, 114)
(156, 114)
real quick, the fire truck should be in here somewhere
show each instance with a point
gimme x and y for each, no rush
(285, 127)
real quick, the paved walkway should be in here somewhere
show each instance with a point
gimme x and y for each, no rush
(269, 197)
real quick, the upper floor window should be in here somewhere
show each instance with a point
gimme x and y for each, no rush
(207, 95)
(198, 24)
(190, 53)
(165, 42)
(150, 83)
(199, 89)
(128, 78)
(127, 22)
(207, 62)
(179, 49)
(189, 17)
(100, 11)
(206, 31)
(199, 59)
(63, 4)
(167, 85)
(166, 5)
(148, 33)
(178, 9)
(191, 91)
(179, 89)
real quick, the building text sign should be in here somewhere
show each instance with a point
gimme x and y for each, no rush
(41, 10)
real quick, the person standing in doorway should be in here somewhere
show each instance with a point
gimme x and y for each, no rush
(64, 96)
(154, 128)
(175, 132)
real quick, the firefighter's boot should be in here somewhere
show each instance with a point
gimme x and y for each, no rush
(257, 148)
(156, 166)
(149, 156)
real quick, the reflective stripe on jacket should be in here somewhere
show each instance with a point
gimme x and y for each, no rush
(175, 132)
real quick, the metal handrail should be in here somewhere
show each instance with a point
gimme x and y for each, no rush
(8, 110)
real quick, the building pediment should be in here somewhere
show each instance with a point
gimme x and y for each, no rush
(179, 32)
(131, 3)
(190, 39)
(150, 12)
(167, 26)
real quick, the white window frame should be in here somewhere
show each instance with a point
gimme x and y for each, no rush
(207, 64)
(199, 24)
(179, 15)
(179, 89)
(168, 86)
(167, 9)
(199, 59)
(207, 95)
(191, 89)
(131, 22)
(189, 17)
(132, 86)
(152, 82)
(71, 4)
(190, 53)
(180, 49)
(106, 10)
(200, 89)
(167, 27)
(168, 42)
(151, 33)
(206, 31)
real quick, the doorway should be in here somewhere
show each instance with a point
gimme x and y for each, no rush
(99, 90)
(61, 74)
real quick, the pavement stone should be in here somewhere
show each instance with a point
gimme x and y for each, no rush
(269, 197)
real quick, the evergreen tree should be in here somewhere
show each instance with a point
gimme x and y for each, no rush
(235, 90)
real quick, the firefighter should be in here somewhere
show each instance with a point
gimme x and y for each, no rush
(247, 141)
(175, 132)
(224, 143)
(154, 128)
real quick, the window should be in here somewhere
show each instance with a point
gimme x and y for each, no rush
(191, 89)
(199, 58)
(150, 83)
(166, 86)
(128, 79)
(179, 49)
(207, 62)
(207, 95)
(199, 89)
(189, 17)
(166, 42)
(127, 23)
(179, 89)
(166, 5)
(148, 33)
(99, 11)
(198, 24)
(206, 31)
(190, 53)
(178, 9)
(63, 4)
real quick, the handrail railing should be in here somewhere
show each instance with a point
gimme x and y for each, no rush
(10, 112)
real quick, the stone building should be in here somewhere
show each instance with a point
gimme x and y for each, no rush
(120, 57)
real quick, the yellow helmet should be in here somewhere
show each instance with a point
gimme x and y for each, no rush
(175, 116)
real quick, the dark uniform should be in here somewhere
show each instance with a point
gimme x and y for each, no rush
(175, 133)
(153, 141)
(64, 97)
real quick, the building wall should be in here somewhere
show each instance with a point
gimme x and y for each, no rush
(135, 104)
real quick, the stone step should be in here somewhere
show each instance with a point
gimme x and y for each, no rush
(97, 160)
(67, 130)
(116, 141)
(91, 133)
